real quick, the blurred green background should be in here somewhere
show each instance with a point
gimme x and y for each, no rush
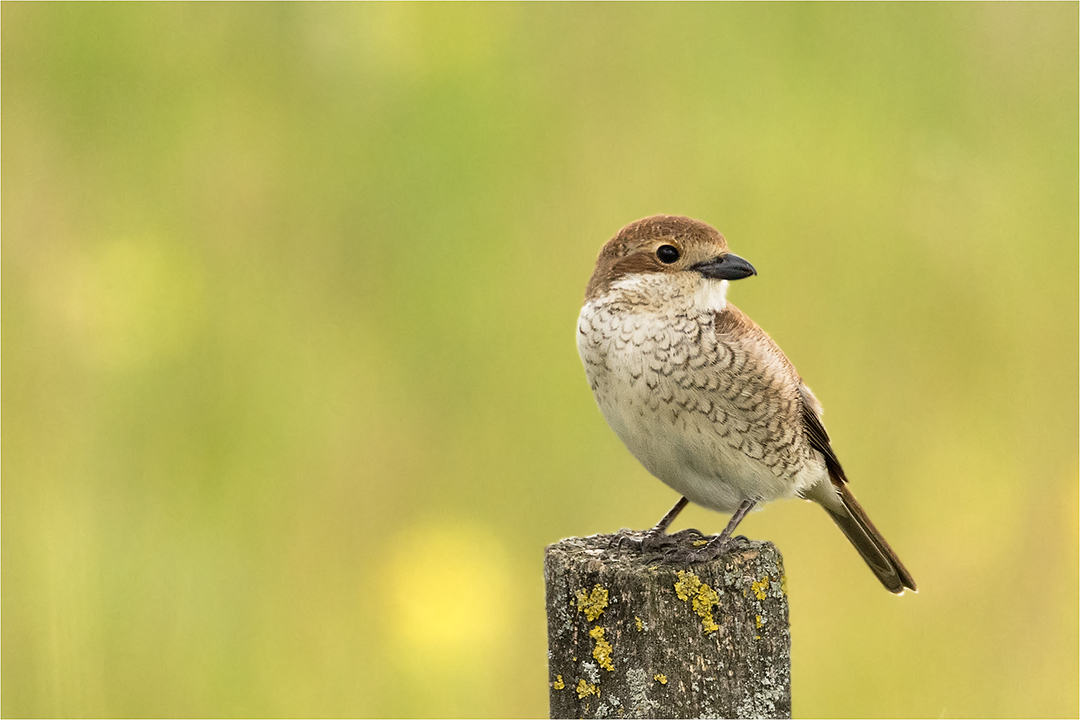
(291, 400)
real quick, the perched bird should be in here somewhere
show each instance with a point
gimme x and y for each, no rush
(700, 395)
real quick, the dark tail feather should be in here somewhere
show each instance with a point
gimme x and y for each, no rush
(868, 541)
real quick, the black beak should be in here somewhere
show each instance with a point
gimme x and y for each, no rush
(725, 267)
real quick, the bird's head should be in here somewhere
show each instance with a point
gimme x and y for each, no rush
(667, 254)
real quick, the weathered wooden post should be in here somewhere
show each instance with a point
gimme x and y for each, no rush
(640, 634)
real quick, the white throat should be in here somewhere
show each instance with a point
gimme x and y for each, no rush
(712, 295)
(682, 289)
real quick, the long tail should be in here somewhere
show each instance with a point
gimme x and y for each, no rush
(852, 520)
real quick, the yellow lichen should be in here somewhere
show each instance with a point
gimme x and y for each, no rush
(758, 620)
(592, 604)
(558, 684)
(660, 678)
(639, 624)
(761, 588)
(585, 689)
(704, 598)
(687, 585)
(602, 652)
(699, 543)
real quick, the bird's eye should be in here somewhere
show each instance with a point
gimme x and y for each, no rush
(667, 254)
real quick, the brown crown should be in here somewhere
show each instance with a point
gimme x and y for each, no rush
(631, 250)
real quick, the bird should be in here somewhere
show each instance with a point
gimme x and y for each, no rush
(701, 395)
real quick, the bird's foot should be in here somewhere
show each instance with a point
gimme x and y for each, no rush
(715, 547)
(654, 541)
(627, 538)
(658, 542)
(685, 546)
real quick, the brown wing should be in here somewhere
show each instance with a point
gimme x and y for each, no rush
(819, 439)
(762, 392)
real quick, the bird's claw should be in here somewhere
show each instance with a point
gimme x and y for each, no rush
(627, 538)
(684, 546)
(715, 548)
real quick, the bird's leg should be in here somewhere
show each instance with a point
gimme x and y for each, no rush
(717, 545)
(744, 507)
(656, 539)
(662, 526)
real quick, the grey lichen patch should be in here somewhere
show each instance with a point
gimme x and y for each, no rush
(637, 683)
(767, 579)
(591, 671)
(771, 697)
(593, 603)
(733, 577)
